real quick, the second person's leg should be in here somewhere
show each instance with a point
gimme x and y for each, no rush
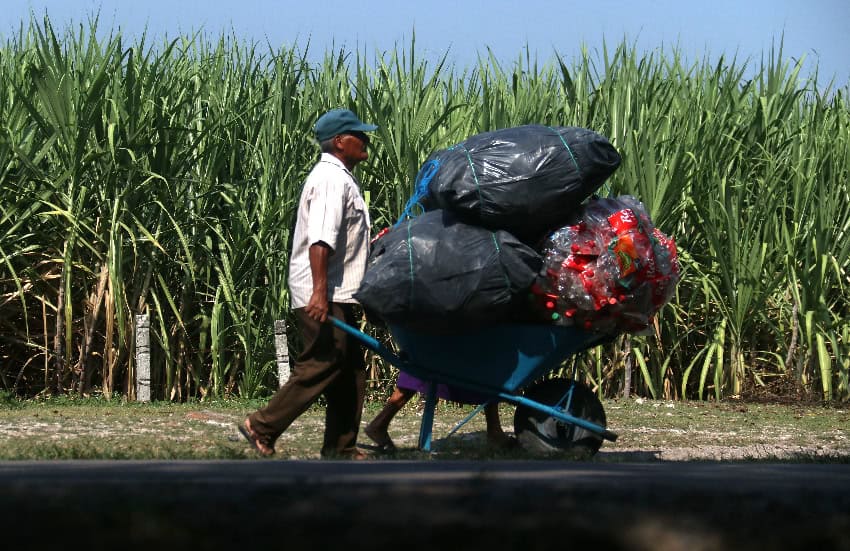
(377, 430)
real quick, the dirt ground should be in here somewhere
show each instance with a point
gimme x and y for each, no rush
(694, 476)
(647, 431)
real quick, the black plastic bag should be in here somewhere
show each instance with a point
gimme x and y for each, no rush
(436, 274)
(527, 180)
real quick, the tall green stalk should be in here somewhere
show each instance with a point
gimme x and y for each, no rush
(163, 178)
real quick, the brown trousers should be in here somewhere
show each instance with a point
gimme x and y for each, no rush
(331, 364)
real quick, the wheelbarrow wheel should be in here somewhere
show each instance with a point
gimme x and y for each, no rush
(538, 432)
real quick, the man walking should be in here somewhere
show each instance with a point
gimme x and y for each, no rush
(328, 259)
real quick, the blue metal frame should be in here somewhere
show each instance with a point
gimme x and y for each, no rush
(501, 379)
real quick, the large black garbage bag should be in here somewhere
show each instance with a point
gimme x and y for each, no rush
(436, 274)
(526, 179)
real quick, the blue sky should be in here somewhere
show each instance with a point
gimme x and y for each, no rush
(817, 29)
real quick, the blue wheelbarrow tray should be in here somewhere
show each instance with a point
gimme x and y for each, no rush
(495, 361)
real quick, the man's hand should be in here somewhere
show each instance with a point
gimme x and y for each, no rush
(317, 307)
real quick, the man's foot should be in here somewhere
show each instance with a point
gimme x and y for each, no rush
(254, 439)
(381, 438)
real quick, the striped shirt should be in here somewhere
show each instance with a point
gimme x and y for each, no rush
(332, 211)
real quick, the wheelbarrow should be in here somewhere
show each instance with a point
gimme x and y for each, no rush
(506, 362)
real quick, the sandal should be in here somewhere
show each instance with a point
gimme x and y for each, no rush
(383, 442)
(254, 439)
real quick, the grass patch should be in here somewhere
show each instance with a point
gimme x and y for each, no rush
(98, 428)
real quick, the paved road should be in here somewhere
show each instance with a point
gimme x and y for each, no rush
(424, 504)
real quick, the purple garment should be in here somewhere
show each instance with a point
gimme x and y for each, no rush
(446, 392)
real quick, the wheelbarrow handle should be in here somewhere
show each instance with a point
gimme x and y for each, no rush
(370, 342)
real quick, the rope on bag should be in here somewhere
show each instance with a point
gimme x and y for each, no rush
(570, 151)
(420, 189)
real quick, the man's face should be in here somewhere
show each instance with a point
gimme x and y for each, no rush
(352, 147)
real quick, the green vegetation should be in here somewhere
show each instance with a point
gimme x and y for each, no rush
(160, 179)
(649, 430)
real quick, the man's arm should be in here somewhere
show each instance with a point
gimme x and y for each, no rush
(317, 307)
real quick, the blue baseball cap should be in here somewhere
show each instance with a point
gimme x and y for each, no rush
(339, 121)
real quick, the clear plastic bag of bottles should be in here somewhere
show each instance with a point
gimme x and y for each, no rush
(610, 272)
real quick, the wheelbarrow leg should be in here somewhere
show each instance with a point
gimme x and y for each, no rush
(469, 417)
(427, 426)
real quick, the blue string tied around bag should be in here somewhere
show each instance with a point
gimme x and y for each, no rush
(420, 190)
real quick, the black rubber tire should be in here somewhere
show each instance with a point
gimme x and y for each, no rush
(538, 432)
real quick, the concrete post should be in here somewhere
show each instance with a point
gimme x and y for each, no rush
(281, 346)
(143, 358)
(627, 352)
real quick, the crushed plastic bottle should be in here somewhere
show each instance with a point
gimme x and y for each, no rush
(611, 272)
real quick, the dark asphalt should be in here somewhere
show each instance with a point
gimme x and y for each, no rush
(424, 505)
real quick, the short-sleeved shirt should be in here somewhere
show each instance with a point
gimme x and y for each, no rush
(331, 210)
